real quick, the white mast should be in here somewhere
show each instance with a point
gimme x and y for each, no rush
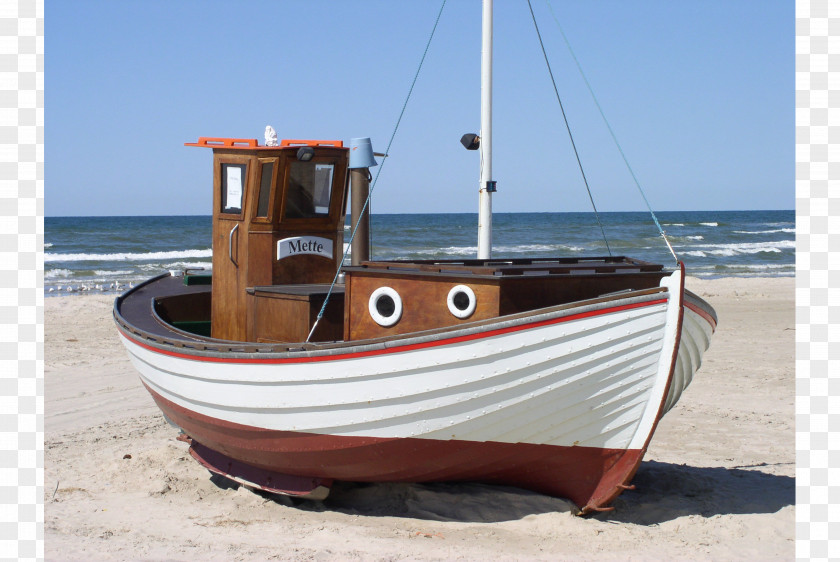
(485, 204)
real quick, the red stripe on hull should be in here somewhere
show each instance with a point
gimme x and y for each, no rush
(702, 313)
(590, 477)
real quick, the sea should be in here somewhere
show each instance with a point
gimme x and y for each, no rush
(111, 254)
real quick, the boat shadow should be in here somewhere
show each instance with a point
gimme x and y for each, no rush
(449, 501)
(663, 492)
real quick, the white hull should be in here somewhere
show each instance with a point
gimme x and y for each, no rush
(595, 381)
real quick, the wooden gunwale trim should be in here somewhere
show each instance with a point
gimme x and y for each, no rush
(215, 345)
(395, 347)
(477, 324)
(228, 346)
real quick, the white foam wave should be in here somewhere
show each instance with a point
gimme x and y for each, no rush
(673, 224)
(740, 266)
(694, 237)
(704, 250)
(113, 273)
(178, 254)
(709, 224)
(763, 266)
(451, 250)
(47, 245)
(191, 265)
(713, 274)
(471, 250)
(53, 273)
(538, 248)
(785, 230)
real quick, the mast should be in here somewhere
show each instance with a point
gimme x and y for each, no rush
(486, 185)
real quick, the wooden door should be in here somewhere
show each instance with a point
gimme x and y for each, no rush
(231, 181)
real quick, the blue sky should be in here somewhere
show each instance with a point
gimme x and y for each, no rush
(699, 94)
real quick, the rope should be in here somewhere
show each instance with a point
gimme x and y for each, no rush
(568, 128)
(609, 128)
(378, 172)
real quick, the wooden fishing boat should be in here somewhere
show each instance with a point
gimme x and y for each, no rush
(287, 370)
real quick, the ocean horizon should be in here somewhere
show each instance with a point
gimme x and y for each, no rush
(108, 254)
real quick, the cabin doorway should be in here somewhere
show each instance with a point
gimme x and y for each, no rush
(229, 246)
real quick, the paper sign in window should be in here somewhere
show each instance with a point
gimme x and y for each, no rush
(233, 189)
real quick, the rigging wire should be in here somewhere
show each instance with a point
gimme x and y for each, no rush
(568, 128)
(609, 128)
(378, 172)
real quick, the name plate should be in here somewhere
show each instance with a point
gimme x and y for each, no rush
(313, 245)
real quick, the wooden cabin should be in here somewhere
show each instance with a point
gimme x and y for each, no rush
(278, 240)
(278, 228)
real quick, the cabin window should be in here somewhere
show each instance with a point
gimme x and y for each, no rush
(309, 190)
(385, 306)
(233, 186)
(461, 301)
(266, 175)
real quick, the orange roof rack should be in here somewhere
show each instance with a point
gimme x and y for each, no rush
(218, 142)
(296, 142)
(215, 142)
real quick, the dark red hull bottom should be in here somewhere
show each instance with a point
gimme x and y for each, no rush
(590, 477)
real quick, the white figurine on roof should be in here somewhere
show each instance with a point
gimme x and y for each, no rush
(270, 136)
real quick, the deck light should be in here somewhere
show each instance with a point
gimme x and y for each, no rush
(305, 153)
(471, 141)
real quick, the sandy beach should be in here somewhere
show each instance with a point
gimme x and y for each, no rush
(717, 482)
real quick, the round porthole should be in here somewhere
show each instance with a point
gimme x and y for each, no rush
(461, 301)
(385, 306)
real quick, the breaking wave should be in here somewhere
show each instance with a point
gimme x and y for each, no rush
(702, 251)
(785, 230)
(178, 254)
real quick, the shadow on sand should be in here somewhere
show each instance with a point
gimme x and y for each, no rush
(664, 491)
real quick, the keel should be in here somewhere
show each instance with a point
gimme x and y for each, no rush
(265, 480)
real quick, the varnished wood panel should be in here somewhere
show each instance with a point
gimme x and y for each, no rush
(523, 293)
(423, 299)
(261, 250)
(289, 318)
(280, 319)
